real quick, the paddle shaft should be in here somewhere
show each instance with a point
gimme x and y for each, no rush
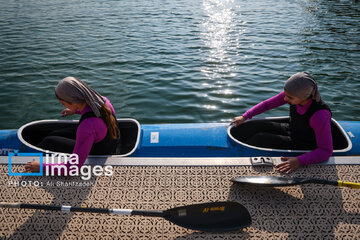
(334, 183)
(147, 213)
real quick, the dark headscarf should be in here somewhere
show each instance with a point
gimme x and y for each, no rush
(73, 90)
(303, 85)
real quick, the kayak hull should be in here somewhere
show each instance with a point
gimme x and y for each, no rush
(190, 140)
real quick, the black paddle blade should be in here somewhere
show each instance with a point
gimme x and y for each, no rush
(271, 181)
(210, 217)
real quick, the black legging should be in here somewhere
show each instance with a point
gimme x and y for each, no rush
(264, 133)
(61, 140)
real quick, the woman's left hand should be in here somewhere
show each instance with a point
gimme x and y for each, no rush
(33, 166)
(67, 112)
(290, 164)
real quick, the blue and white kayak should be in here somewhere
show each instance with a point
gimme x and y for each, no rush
(207, 140)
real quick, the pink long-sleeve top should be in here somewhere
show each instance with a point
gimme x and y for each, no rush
(91, 130)
(320, 122)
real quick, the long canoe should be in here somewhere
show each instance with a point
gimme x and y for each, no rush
(179, 140)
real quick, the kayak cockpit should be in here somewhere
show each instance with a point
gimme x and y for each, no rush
(33, 133)
(341, 142)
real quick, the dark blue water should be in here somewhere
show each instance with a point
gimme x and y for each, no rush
(163, 61)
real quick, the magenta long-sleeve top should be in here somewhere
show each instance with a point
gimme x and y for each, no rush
(320, 122)
(91, 130)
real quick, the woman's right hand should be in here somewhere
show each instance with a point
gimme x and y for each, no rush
(238, 120)
(67, 112)
(33, 166)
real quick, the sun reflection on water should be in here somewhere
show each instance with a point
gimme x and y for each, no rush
(220, 34)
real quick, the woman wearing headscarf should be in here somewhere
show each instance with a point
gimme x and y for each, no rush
(309, 126)
(97, 132)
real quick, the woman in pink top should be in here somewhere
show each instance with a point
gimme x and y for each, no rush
(97, 132)
(309, 127)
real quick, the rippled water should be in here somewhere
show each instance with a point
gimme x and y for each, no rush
(167, 61)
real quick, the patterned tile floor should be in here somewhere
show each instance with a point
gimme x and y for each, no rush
(299, 212)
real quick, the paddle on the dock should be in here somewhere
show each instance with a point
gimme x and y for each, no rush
(273, 181)
(213, 216)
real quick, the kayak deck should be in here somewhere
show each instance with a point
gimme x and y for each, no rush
(199, 140)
